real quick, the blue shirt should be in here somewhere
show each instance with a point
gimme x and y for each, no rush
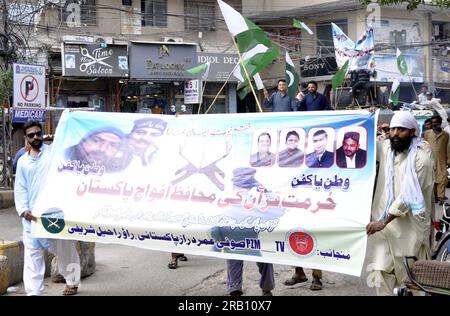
(281, 103)
(29, 175)
(16, 158)
(314, 102)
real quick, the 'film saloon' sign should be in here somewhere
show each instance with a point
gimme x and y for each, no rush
(91, 60)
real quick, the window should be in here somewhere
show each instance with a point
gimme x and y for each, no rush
(154, 13)
(199, 15)
(440, 35)
(80, 12)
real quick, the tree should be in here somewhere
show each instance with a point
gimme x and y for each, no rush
(5, 87)
(410, 4)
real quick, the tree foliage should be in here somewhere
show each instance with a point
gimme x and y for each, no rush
(6, 86)
(410, 4)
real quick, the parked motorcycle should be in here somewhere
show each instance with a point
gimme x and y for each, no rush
(431, 276)
(442, 248)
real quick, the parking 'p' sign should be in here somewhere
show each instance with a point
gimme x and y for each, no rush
(29, 86)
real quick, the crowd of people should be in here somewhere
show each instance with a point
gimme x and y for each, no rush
(412, 173)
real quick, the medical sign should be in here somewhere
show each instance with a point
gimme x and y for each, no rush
(25, 115)
(264, 187)
(29, 86)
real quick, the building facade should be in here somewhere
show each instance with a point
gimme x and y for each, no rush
(66, 28)
(423, 35)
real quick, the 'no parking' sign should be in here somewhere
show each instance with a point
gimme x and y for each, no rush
(29, 86)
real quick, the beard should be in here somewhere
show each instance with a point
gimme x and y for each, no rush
(398, 144)
(36, 143)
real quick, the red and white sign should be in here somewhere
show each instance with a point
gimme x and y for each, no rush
(29, 86)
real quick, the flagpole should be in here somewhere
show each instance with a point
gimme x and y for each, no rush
(246, 74)
(410, 81)
(201, 100)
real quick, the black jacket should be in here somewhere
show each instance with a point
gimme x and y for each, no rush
(361, 158)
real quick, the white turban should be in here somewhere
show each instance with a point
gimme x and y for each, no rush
(406, 120)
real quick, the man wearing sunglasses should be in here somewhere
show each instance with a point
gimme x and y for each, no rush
(30, 172)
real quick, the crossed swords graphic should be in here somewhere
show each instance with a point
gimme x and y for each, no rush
(53, 223)
(211, 171)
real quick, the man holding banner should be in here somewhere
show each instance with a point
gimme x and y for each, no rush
(31, 169)
(401, 209)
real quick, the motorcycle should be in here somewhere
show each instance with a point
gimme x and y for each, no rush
(442, 248)
(431, 276)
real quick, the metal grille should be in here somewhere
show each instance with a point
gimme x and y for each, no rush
(199, 15)
(154, 13)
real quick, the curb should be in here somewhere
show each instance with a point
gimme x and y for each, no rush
(12, 253)
(12, 263)
(6, 199)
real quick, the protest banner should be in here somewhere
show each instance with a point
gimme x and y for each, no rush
(265, 187)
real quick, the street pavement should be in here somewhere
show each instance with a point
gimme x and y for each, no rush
(124, 270)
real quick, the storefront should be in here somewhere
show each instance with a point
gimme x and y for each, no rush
(90, 76)
(157, 76)
(222, 66)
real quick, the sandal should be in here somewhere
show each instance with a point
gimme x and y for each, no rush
(182, 257)
(296, 279)
(70, 290)
(316, 285)
(173, 264)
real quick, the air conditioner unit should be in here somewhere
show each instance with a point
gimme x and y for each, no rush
(101, 39)
(173, 39)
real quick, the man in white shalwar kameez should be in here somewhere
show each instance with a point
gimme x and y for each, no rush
(403, 202)
(29, 175)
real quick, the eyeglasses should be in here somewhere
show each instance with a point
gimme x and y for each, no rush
(31, 135)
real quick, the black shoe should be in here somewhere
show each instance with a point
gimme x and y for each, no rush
(267, 293)
(236, 293)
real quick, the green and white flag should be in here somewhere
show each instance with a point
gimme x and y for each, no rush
(258, 81)
(300, 25)
(292, 77)
(401, 63)
(395, 92)
(339, 77)
(202, 68)
(257, 51)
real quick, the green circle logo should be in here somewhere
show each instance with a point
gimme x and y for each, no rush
(53, 220)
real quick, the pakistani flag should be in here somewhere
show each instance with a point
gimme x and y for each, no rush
(258, 81)
(244, 88)
(292, 77)
(401, 63)
(257, 51)
(202, 68)
(339, 77)
(395, 92)
(300, 25)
